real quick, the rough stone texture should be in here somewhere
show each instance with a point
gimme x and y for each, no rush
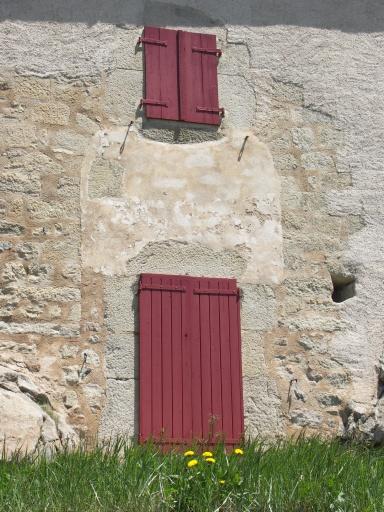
(79, 221)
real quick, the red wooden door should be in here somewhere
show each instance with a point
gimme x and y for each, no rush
(190, 360)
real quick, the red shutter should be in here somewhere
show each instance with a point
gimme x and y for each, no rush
(161, 81)
(198, 58)
(190, 360)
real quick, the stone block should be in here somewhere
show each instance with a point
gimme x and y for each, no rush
(87, 124)
(7, 228)
(121, 304)
(262, 414)
(51, 113)
(316, 161)
(120, 414)
(258, 307)
(127, 54)
(26, 183)
(124, 90)
(70, 142)
(306, 418)
(303, 138)
(122, 356)
(238, 97)
(252, 354)
(94, 395)
(15, 133)
(105, 179)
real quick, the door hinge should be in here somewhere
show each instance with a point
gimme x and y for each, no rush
(158, 103)
(208, 110)
(213, 51)
(148, 40)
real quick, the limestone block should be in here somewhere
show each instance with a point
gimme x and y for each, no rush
(262, 414)
(317, 161)
(303, 138)
(45, 329)
(252, 354)
(238, 98)
(70, 399)
(14, 133)
(70, 142)
(18, 181)
(105, 179)
(122, 356)
(234, 60)
(7, 228)
(124, 91)
(306, 418)
(127, 54)
(258, 307)
(27, 250)
(94, 395)
(91, 358)
(68, 351)
(121, 304)
(87, 124)
(21, 422)
(71, 374)
(31, 87)
(328, 400)
(120, 414)
(51, 113)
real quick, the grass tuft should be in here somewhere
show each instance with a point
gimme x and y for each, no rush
(307, 475)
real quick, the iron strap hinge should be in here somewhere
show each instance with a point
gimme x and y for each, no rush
(214, 291)
(158, 103)
(147, 40)
(209, 110)
(162, 287)
(213, 51)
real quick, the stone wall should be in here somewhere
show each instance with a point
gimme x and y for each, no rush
(81, 216)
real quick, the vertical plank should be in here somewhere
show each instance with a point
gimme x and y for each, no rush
(177, 361)
(157, 382)
(168, 74)
(161, 74)
(197, 78)
(217, 414)
(226, 384)
(145, 375)
(196, 362)
(187, 367)
(210, 94)
(152, 69)
(166, 358)
(206, 381)
(236, 370)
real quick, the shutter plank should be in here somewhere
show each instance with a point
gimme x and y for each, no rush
(226, 383)
(206, 383)
(166, 337)
(236, 369)
(161, 80)
(217, 416)
(196, 364)
(177, 361)
(187, 367)
(157, 381)
(198, 78)
(145, 364)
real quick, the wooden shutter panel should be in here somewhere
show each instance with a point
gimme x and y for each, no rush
(190, 360)
(199, 98)
(161, 80)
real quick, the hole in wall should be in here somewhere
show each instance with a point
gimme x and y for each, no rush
(343, 288)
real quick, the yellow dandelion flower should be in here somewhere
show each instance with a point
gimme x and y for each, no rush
(211, 460)
(189, 453)
(222, 482)
(238, 451)
(192, 463)
(207, 454)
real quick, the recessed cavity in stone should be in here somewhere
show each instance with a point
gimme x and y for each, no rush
(343, 288)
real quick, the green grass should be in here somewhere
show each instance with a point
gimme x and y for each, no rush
(300, 476)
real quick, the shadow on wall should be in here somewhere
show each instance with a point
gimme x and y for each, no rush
(345, 15)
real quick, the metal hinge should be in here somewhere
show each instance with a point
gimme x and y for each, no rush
(162, 287)
(214, 51)
(219, 111)
(214, 291)
(147, 40)
(157, 103)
